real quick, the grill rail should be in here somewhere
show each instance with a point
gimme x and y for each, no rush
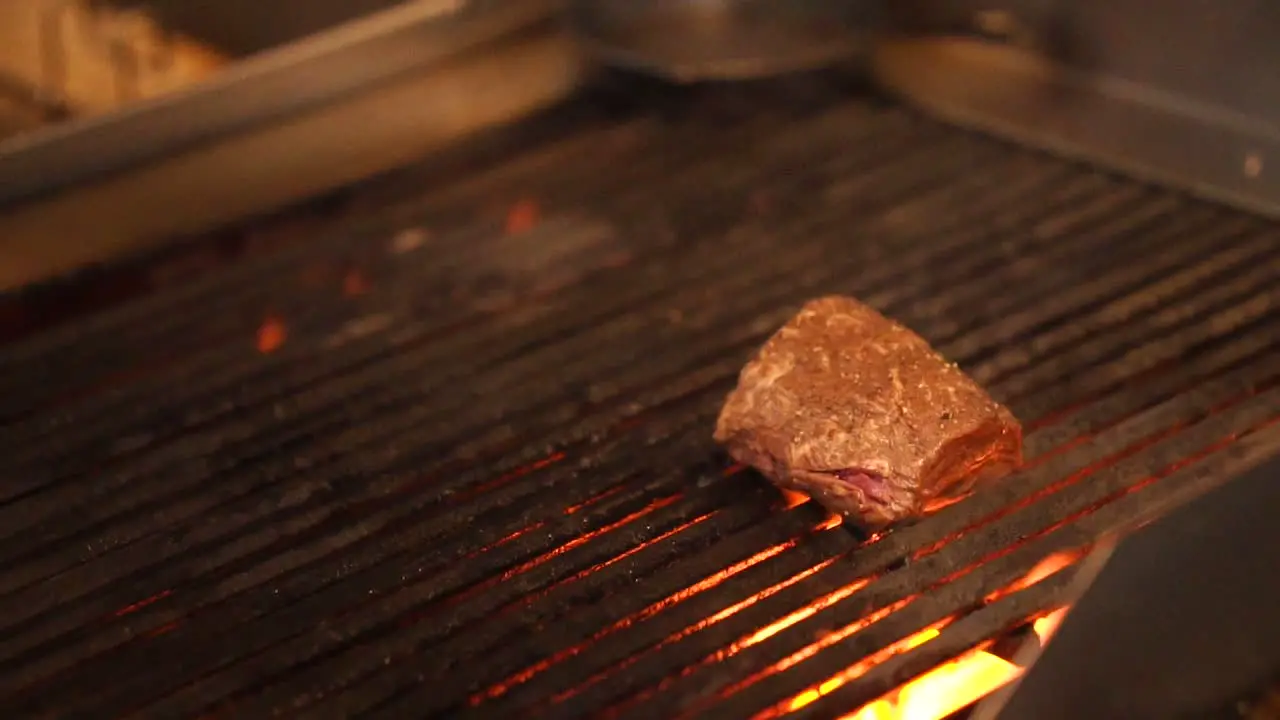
(457, 490)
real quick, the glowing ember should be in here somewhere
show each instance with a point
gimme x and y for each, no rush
(271, 335)
(522, 217)
(595, 499)
(826, 524)
(1042, 570)
(791, 498)
(787, 621)
(588, 537)
(1046, 626)
(947, 688)
(699, 626)
(161, 630)
(950, 687)
(143, 603)
(519, 472)
(936, 504)
(804, 654)
(354, 283)
(705, 584)
(859, 669)
(832, 520)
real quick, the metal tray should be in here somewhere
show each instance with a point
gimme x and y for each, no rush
(1185, 96)
(317, 69)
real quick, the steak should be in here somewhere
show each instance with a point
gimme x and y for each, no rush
(856, 411)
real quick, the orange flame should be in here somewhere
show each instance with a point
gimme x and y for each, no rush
(744, 642)
(861, 668)
(1043, 569)
(1047, 625)
(830, 521)
(944, 690)
(791, 498)
(952, 686)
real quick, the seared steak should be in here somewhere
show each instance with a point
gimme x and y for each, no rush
(848, 407)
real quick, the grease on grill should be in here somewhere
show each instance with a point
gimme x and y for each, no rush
(408, 240)
(357, 328)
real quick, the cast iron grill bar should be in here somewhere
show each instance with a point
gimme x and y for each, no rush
(164, 325)
(1065, 304)
(1237, 299)
(592, 176)
(58, 504)
(489, 659)
(427, 332)
(227, 314)
(270, 586)
(498, 662)
(198, 376)
(1200, 271)
(895, 546)
(158, 314)
(248, 282)
(710, 116)
(688, 690)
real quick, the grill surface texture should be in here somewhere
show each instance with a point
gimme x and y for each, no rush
(453, 456)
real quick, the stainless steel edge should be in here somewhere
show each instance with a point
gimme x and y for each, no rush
(1180, 619)
(1019, 95)
(312, 71)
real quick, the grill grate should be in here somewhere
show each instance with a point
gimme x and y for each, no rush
(468, 470)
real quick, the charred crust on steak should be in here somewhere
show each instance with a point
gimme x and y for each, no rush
(858, 412)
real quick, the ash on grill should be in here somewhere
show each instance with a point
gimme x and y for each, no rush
(491, 505)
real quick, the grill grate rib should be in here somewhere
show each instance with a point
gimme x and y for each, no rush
(462, 491)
